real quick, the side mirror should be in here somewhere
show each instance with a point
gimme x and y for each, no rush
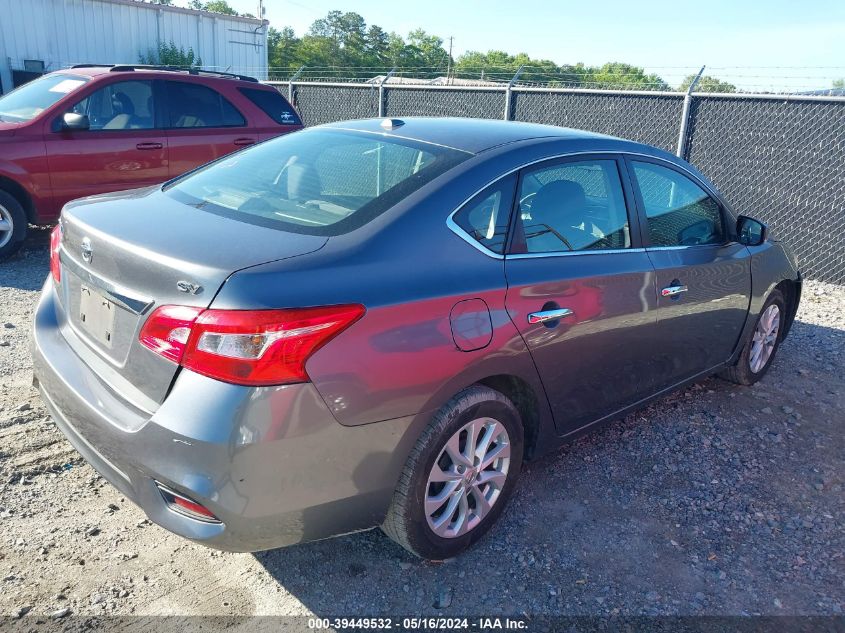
(74, 121)
(751, 232)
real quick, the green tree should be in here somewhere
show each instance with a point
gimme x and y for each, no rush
(838, 84)
(170, 55)
(340, 39)
(377, 47)
(707, 84)
(214, 6)
(425, 50)
(616, 75)
(396, 49)
(342, 45)
(284, 53)
(501, 66)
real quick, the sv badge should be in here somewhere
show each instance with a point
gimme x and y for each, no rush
(190, 288)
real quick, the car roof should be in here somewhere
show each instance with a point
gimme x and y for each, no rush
(124, 70)
(464, 134)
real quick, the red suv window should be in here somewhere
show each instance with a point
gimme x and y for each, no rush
(192, 105)
(123, 105)
(272, 104)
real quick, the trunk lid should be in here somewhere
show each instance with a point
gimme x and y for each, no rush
(127, 253)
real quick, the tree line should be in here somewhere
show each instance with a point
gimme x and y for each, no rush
(343, 46)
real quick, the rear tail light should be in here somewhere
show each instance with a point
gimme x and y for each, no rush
(184, 505)
(246, 347)
(55, 243)
(167, 330)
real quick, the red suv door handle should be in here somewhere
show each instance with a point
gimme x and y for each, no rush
(244, 141)
(149, 146)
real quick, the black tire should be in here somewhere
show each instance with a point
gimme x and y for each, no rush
(12, 211)
(741, 373)
(406, 521)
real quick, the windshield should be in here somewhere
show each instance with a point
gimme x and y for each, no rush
(31, 99)
(320, 182)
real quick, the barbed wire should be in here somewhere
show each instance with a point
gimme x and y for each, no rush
(745, 79)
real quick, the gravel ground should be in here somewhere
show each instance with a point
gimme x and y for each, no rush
(716, 500)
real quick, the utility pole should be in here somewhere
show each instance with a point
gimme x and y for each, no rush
(449, 63)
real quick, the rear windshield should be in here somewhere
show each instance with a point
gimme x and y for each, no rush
(31, 99)
(272, 104)
(320, 182)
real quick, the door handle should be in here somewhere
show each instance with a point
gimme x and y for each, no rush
(671, 291)
(244, 141)
(548, 315)
(149, 146)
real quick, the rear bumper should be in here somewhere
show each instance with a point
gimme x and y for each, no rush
(271, 463)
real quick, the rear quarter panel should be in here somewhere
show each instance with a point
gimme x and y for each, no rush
(400, 358)
(258, 121)
(409, 270)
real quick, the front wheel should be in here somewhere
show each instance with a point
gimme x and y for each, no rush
(13, 225)
(459, 475)
(759, 352)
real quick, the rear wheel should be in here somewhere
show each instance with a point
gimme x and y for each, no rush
(759, 351)
(459, 475)
(13, 225)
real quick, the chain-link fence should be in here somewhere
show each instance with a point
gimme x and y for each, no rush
(783, 162)
(644, 118)
(777, 158)
(326, 103)
(480, 104)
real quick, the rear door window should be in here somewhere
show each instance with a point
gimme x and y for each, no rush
(485, 218)
(195, 106)
(321, 182)
(272, 104)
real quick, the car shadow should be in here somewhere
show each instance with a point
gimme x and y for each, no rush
(672, 510)
(687, 506)
(27, 269)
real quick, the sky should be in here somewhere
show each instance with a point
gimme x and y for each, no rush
(756, 44)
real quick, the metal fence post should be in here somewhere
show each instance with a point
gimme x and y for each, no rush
(381, 91)
(290, 84)
(682, 135)
(509, 92)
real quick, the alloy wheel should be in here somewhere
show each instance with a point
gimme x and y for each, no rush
(467, 478)
(7, 226)
(765, 338)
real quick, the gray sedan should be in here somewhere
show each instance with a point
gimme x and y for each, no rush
(375, 323)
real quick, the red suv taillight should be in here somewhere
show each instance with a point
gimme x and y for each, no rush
(55, 243)
(245, 347)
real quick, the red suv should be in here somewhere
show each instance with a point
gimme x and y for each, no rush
(95, 129)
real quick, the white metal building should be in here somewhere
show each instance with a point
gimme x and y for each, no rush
(47, 35)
